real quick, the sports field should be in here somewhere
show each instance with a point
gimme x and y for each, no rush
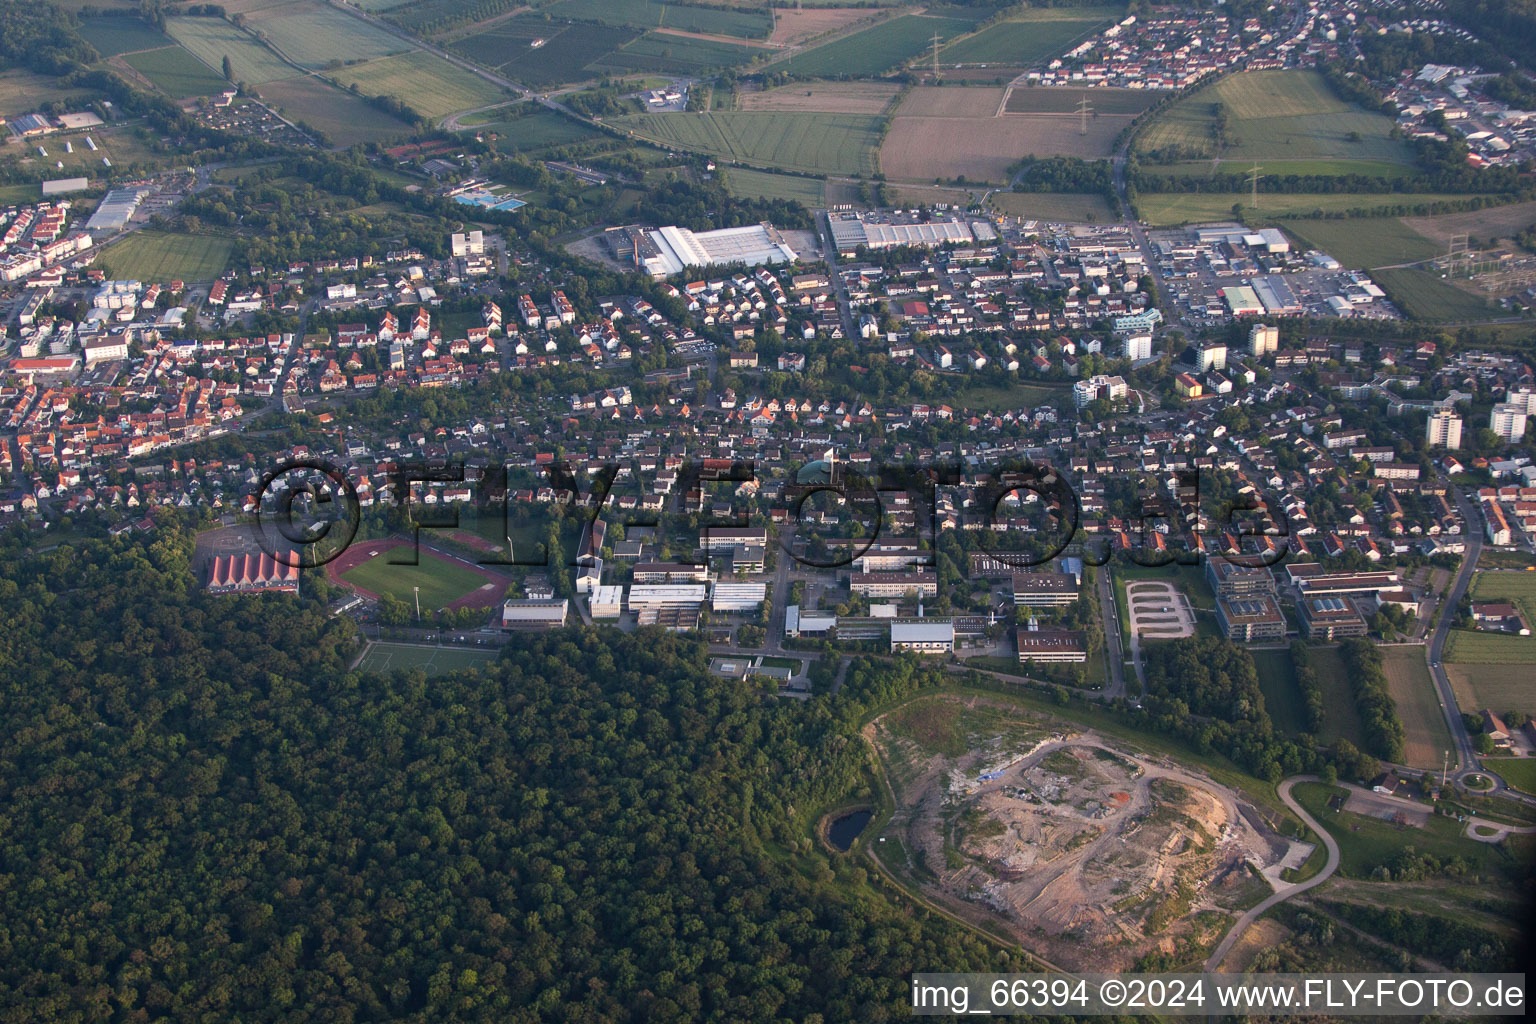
(823, 97)
(1364, 242)
(1423, 295)
(818, 143)
(875, 50)
(114, 35)
(1276, 115)
(426, 83)
(751, 184)
(345, 119)
(212, 39)
(315, 34)
(1034, 36)
(382, 656)
(442, 582)
(159, 257)
(1160, 208)
(1425, 733)
(1499, 688)
(176, 72)
(1073, 207)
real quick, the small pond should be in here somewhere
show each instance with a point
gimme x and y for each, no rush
(846, 829)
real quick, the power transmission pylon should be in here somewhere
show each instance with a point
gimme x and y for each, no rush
(936, 75)
(1458, 249)
(1253, 183)
(1084, 108)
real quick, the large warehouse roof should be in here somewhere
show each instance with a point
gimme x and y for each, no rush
(753, 245)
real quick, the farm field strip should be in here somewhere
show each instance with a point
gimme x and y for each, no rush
(982, 149)
(344, 118)
(1167, 208)
(1425, 296)
(426, 83)
(1054, 206)
(823, 97)
(316, 35)
(1063, 100)
(742, 22)
(746, 182)
(1425, 731)
(876, 49)
(817, 143)
(210, 40)
(1364, 242)
(1024, 41)
(175, 71)
(1497, 687)
(116, 35)
(1494, 222)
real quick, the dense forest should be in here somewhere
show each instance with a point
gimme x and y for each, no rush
(204, 815)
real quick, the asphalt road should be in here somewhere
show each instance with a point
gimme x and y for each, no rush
(1213, 964)
(1466, 754)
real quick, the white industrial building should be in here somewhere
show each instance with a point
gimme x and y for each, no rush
(117, 208)
(657, 596)
(534, 614)
(850, 231)
(737, 597)
(808, 622)
(924, 637)
(678, 249)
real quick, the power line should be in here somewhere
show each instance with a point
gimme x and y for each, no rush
(1084, 108)
(1253, 183)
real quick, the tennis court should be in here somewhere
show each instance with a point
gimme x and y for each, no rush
(388, 657)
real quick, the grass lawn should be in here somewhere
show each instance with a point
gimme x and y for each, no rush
(817, 143)
(1341, 719)
(23, 91)
(989, 397)
(388, 657)
(159, 257)
(750, 184)
(1282, 698)
(177, 72)
(1425, 296)
(1364, 241)
(1366, 842)
(1491, 559)
(877, 49)
(1519, 772)
(540, 129)
(441, 581)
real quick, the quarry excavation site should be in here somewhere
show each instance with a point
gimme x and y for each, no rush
(1091, 856)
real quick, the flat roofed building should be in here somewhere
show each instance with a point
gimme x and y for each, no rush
(606, 601)
(737, 597)
(727, 538)
(748, 557)
(678, 249)
(924, 583)
(651, 596)
(808, 621)
(673, 620)
(534, 614)
(1250, 619)
(1229, 579)
(1044, 589)
(923, 637)
(1049, 646)
(670, 572)
(1330, 617)
(1347, 583)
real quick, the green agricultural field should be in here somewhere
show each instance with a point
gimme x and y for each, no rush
(1517, 587)
(345, 119)
(426, 83)
(177, 72)
(1506, 687)
(1472, 647)
(747, 23)
(563, 56)
(212, 39)
(1423, 295)
(817, 143)
(1042, 99)
(1364, 242)
(1167, 208)
(1277, 115)
(875, 50)
(1037, 35)
(1072, 207)
(1418, 706)
(317, 35)
(115, 35)
(388, 657)
(750, 184)
(160, 257)
(442, 582)
(1282, 697)
(659, 52)
(1236, 169)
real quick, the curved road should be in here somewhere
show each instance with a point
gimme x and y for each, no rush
(1281, 895)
